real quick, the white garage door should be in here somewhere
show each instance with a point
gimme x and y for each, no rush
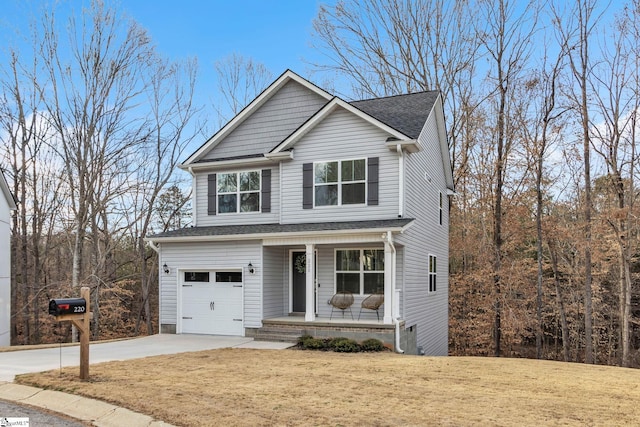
(212, 302)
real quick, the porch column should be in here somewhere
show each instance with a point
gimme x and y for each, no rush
(310, 309)
(388, 282)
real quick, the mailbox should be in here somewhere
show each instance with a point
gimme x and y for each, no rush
(61, 306)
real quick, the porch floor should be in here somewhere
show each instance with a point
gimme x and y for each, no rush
(325, 321)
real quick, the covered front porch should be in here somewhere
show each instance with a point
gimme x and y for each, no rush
(301, 275)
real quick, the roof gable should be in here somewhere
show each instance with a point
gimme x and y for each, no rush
(249, 110)
(323, 113)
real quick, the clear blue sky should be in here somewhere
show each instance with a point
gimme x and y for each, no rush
(275, 33)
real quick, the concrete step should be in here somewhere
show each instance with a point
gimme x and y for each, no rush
(276, 337)
(278, 330)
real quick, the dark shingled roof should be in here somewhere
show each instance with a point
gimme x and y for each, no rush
(235, 230)
(404, 113)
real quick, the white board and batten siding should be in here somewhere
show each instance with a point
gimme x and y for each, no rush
(424, 180)
(270, 124)
(5, 271)
(211, 256)
(340, 136)
(204, 219)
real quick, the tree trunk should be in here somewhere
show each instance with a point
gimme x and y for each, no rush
(560, 303)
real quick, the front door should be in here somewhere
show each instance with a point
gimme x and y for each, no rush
(299, 281)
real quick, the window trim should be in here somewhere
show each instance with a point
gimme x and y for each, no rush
(340, 182)
(432, 275)
(238, 192)
(361, 272)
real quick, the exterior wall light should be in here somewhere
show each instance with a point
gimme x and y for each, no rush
(165, 268)
(251, 268)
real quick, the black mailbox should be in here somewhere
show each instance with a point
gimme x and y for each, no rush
(67, 306)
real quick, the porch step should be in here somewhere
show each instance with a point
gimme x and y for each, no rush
(279, 333)
(276, 337)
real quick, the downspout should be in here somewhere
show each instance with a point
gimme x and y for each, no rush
(194, 204)
(400, 181)
(157, 249)
(395, 313)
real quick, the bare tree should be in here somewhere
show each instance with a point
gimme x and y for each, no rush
(615, 95)
(575, 28)
(506, 34)
(89, 100)
(170, 131)
(539, 127)
(35, 183)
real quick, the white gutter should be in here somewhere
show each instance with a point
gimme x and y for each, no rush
(194, 205)
(281, 155)
(400, 180)
(157, 249)
(395, 304)
(153, 246)
(222, 164)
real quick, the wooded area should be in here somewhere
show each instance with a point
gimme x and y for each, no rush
(541, 101)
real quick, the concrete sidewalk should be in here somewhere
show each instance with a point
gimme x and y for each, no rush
(93, 411)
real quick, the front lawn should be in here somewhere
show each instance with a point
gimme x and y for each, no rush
(243, 387)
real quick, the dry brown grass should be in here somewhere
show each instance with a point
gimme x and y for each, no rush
(238, 387)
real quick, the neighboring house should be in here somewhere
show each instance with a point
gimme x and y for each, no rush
(303, 195)
(7, 204)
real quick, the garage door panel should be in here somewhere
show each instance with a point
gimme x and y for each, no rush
(212, 308)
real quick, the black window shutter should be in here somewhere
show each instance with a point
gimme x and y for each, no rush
(307, 186)
(211, 194)
(266, 190)
(372, 181)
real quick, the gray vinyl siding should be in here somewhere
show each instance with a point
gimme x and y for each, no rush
(275, 282)
(212, 256)
(204, 219)
(340, 136)
(270, 124)
(429, 311)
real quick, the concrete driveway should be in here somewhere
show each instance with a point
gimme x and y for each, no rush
(19, 362)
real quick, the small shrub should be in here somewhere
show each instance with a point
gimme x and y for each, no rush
(308, 342)
(372, 344)
(304, 339)
(344, 345)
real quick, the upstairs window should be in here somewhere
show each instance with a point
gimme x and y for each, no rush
(238, 192)
(341, 182)
(440, 208)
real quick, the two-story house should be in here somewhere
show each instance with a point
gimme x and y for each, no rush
(7, 204)
(302, 196)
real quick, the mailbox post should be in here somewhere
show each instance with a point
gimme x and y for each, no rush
(77, 311)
